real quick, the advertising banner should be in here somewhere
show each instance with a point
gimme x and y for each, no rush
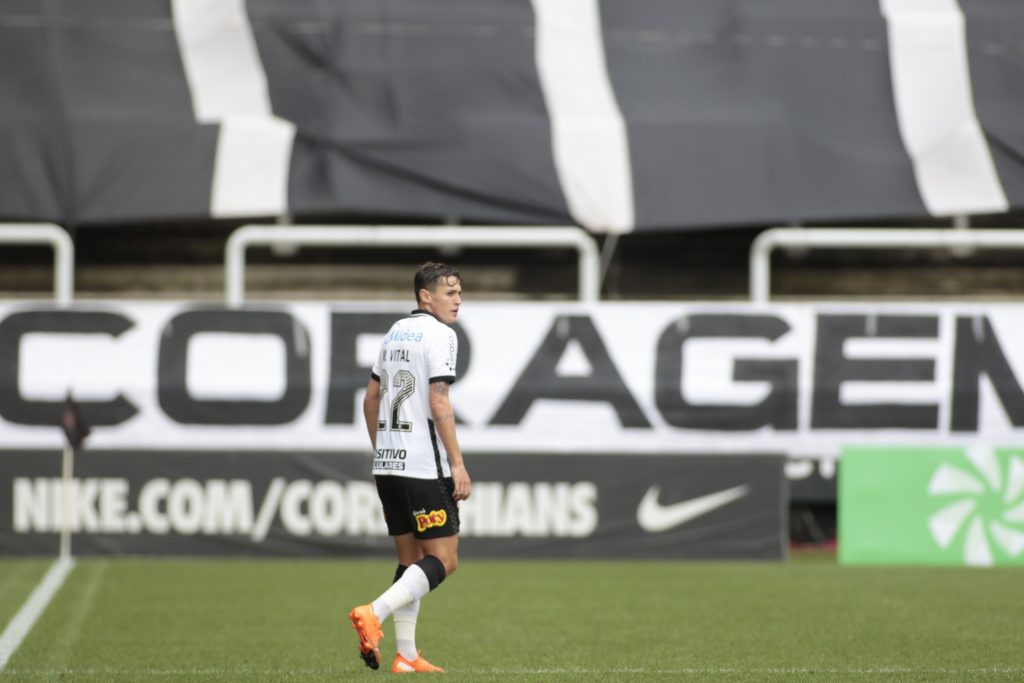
(272, 503)
(566, 378)
(937, 506)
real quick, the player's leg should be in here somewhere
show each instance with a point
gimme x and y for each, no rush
(441, 539)
(435, 525)
(435, 518)
(407, 548)
(405, 617)
(408, 658)
(364, 619)
(409, 552)
(445, 549)
(438, 545)
(424, 508)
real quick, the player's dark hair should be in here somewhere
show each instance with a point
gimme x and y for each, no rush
(430, 274)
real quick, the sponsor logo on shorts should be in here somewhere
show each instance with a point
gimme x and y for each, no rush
(427, 520)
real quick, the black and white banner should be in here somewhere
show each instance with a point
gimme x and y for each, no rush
(801, 380)
(604, 113)
(215, 502)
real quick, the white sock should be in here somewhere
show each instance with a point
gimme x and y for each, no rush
(405, 630)
(411, 587)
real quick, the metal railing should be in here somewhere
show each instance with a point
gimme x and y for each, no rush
(63, 253)
(866, 238)
(389, 236)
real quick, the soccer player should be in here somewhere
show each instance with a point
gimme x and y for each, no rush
(417, 461)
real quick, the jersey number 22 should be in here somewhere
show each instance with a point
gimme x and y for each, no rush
(405, 384)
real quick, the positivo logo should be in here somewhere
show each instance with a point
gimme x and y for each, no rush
(986, 509)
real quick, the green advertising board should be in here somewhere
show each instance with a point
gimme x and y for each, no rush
(934, 506)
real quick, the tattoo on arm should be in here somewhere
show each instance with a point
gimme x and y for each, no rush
(440, 389)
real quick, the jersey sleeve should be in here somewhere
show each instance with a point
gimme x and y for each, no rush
(375, 370)
(443, 355)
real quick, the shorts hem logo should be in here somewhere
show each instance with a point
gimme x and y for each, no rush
(654, 517)
(429, 520)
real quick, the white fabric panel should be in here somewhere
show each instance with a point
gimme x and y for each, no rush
(591, 149)
(221, 63)
(50, 365)
(229, 86)
(225, 366)
(506, 339)
(932, 88)
(251, 171)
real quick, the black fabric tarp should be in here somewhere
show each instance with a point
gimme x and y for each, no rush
(735, 112)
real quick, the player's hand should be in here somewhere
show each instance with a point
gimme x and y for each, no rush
(463, 486)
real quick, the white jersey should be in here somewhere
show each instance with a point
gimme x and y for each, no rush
(417, 350)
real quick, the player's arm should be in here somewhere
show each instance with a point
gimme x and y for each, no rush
(371, 410)
(444, 423)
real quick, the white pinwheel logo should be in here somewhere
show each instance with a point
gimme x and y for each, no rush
(988, 505)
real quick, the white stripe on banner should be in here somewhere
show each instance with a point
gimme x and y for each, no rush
(932, 88)
(250, 176)
(588, 131)
(228, 86)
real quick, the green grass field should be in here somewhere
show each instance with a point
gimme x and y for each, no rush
(281, 620)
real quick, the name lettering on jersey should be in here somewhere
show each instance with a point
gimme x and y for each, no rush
(427, 520)
(403, 335)
(401, 355)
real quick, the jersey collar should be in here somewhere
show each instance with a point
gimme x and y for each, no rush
(420, 311)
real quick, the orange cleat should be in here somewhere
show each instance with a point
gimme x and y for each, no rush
(418, 665)
(366, 624)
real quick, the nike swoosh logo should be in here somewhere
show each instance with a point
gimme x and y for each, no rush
(654, 517)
